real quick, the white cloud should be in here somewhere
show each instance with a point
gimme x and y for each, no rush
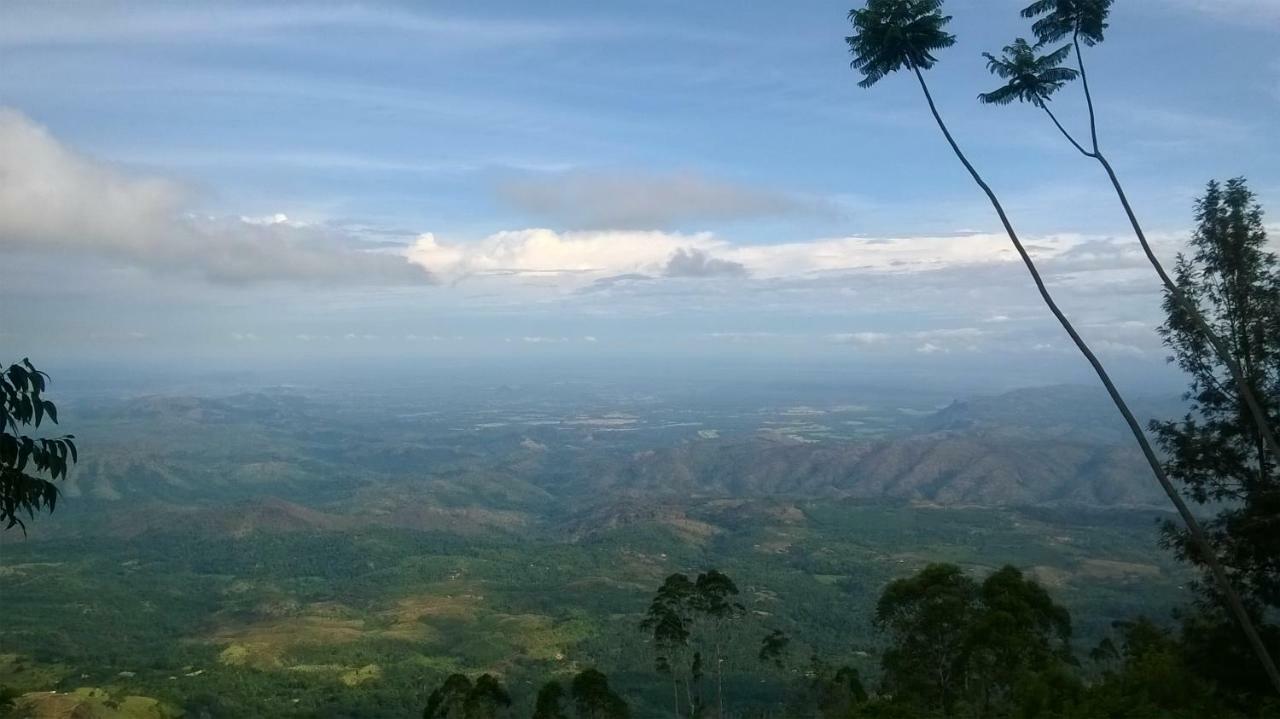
(546, 252)
(957, 333)
(583, 257)
(53, 200)
(925, 341)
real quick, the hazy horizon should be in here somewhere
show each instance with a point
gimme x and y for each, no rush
(274, 186)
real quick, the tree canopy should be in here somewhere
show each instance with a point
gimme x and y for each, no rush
(956, 643)
(593, 699)
(1216, 450)
(1057, 19)
(1031, 78)
(890, 35)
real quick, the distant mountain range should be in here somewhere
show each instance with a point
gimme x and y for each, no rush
(1054, 445)
(1058, 412)
(944, 468)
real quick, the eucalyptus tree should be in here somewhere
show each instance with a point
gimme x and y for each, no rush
(1033, 78)
(928, 617)
(713, 599)
(685, 617)
(669, 620)
(892, 35)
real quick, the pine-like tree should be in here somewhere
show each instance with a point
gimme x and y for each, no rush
(1216, 450)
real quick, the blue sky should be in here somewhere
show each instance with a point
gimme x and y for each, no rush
(271, 181)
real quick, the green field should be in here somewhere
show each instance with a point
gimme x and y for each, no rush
(365, 621)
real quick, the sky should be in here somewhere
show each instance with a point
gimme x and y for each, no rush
(192, 184)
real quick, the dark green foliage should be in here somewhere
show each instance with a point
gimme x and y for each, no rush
(1057, 19)
(550, 702)
(1031, 78)
(593, 699)
(889, 35)
(1145, 673)
(460, 698)
(712, 596)
(668, 620)
(487, 699)
(773, 648)
(1020, 639)
(22, 404)
(1213, 653)
(1216, 450)
(697, 616)
(837, 692)
(928, 617)
(989, 647)
(449, 700)
(7, 697)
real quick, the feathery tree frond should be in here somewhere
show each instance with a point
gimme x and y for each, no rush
(892, 34)
(1031, 78)
(1085, 19)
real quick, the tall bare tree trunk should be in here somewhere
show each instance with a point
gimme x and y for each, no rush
(1247, 395)
(1201, 542)
(675, 694)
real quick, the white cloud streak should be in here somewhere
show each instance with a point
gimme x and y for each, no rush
(598, 200)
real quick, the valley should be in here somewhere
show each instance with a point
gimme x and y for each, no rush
(285, 553)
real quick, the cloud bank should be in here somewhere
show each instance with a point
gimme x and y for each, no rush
(583, 257)
(54, 200)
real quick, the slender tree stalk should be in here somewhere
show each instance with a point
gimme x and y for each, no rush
(1193, 526)
(1242, 384)
(675, 693)
(1088, 98)
(1045, 106)
(719, 682)
(1250, 398)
